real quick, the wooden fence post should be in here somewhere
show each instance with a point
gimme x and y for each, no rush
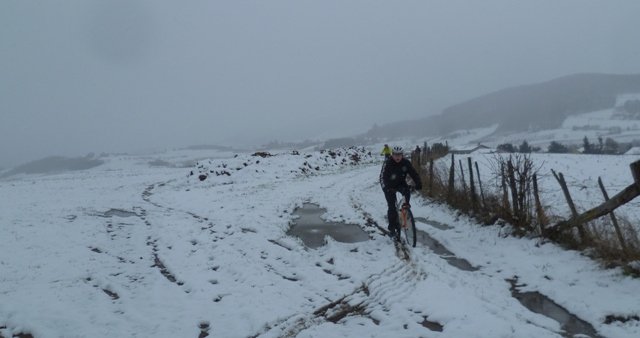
(480, 184)
(514, 191)
(635, 171)
(451, 178)
(431, 177)
(542, 218)
(472, 188)
(613, 218)
(464, 182)
(523, 197)
(505, 195)
(574, 213)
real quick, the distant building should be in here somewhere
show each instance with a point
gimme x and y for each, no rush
(633, 151)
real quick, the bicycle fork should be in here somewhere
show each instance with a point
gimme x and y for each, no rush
(403, 217)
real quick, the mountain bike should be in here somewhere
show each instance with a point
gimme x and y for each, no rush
(406, 221)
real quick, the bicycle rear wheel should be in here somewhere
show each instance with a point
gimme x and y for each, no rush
(409, 230)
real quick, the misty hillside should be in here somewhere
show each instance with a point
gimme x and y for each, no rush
(528, 107)
(54, 164)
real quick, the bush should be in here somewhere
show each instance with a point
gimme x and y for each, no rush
(557, 148)
(610, 146)
(439, 150)
(506, 148)
(524, 147)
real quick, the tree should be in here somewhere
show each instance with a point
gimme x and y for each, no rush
(557, 148)
(524, 147)
(610, 146)
(632, 106)
(600, 145)
(587, 147)
(438, 149)
(506, 147)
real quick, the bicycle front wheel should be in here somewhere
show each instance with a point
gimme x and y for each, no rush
(410, 234)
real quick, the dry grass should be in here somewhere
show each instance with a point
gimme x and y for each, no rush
(606, 245)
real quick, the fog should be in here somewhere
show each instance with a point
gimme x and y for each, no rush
(79, 76)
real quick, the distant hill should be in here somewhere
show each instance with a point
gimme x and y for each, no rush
(528, 107)
(54, 164)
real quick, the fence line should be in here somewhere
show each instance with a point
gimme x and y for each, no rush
(520, 203)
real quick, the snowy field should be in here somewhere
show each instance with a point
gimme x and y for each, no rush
(130, 249)
(580, 171)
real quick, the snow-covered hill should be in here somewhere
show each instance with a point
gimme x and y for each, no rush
(611, 123)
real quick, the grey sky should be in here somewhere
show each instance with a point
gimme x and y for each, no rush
(79, 76)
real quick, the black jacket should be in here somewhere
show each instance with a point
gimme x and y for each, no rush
(394, 175)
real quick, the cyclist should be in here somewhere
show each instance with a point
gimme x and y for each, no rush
(393, 177)
(386, 151)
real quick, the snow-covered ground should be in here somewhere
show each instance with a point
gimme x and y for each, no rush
(132, 249)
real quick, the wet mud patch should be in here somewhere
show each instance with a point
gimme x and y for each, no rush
(14, 335)
(343, 307)
(273, 241)
(204, 329)
(621, 319)
(163, 270)
(158, 263)
(120, 259)
(435, 224)
(431, 325)
(330, 271)
(443, 252)
(118, 213)
(111, 294)
(312, 229)
(571, 325)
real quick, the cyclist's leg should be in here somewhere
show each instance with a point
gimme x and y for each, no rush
(404, 190)
(392, 213)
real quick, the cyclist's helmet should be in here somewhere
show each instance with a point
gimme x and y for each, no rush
(397, 150)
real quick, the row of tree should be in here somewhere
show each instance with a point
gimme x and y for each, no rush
(604, 146)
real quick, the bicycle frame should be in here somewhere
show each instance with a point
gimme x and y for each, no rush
(402, 212)
(406, 221)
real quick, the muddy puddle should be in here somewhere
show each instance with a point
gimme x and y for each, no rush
(118, 213)
(439, 249)
(312, 229)
(571, 325)
(433, 223)
(443, 252)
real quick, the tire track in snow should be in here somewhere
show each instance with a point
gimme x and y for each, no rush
(374, 299)
(153, 242)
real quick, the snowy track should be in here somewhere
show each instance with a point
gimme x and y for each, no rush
(129, 250)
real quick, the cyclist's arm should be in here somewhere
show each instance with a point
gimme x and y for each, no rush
(415, 177)
(385, 174)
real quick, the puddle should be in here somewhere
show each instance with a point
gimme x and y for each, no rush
(312, 229)
(433, 326)
(439, 249)
(432, 223)
(571, 325)
(119, 213)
